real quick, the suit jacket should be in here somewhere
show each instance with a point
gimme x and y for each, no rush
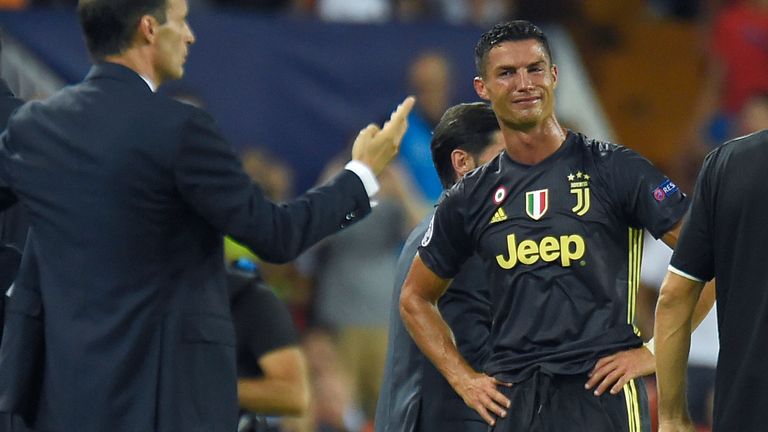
(414, 395)
(13, 226)
(9, 259)
(129, 194)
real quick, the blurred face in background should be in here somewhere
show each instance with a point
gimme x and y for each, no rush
(430, 80)
(519, 81)
(754, 115)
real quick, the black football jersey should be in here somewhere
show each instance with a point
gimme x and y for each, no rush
(561, 243)
(725, 237)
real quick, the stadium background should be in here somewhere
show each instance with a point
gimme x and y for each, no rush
(294, 83)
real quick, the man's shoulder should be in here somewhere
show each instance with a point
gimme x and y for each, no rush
(598, 148)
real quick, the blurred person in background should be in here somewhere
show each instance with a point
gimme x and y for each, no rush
(358, 11)
(736, 58)
(477, 12)
(414, 396)
(271, 367)
(126, 228)
(754, 114)
(429, 78)
(266, 6)
(354, 275)
(333, 406)
(13, 4)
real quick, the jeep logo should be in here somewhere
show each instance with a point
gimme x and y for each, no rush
(567, 248)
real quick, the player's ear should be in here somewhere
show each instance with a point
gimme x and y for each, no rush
(479, 85)
(554, 76)
(462, 162)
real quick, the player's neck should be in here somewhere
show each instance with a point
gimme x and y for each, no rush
(532, 146)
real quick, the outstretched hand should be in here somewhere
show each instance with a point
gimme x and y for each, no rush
(480, 393)
(615, 370)
(375, 146)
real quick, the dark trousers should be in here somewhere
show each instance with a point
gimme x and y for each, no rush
(544, 403)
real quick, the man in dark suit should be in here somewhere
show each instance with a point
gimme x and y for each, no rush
(13, 222)
(129, 194)
(414, 395)
(9, 254)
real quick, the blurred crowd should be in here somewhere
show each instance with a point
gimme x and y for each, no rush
(339, 292)
(478, 12)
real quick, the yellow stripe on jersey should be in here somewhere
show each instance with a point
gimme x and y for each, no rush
(633, 407)
(633, 273)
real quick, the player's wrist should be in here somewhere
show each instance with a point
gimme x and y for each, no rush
(650, 346)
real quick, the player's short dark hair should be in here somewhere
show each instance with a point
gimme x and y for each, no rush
(109, 25)
(508, 31)
(469, 127)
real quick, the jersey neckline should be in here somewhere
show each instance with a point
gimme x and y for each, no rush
(567, 143)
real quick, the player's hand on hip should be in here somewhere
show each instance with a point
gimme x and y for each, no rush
(480, 392)
(614, 371)
(375, 146)
(680, 425)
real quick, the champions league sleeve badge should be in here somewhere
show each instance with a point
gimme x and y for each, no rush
(665, 189)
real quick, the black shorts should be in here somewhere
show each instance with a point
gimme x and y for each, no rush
(544, 403)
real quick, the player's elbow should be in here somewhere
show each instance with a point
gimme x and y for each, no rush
(410, 304)
(677, 292)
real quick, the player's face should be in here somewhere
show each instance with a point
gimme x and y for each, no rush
(173, 40)
(520, 83)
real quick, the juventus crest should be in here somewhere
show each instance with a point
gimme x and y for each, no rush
(580, 188)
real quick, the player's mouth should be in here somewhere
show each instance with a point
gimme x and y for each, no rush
(524, 101)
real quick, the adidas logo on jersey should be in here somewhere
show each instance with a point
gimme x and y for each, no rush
(567, 248)
(499, 216)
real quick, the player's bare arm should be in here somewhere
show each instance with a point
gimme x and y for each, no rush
(418, 308)
(674, 313)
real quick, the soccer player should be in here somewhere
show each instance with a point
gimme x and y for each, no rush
(724, 237)
(414, 396)
(557, 219)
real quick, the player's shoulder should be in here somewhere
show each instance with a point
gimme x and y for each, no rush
(751, 143)
(609, 155)
(743, 150)
(599, 149)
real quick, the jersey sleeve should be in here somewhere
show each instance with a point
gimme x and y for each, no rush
(446, 245)
(267, 323)
(694, 256)
(648, 198)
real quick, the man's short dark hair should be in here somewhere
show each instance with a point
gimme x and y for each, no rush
(109, 25)
(508, 31)
(469, 127)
